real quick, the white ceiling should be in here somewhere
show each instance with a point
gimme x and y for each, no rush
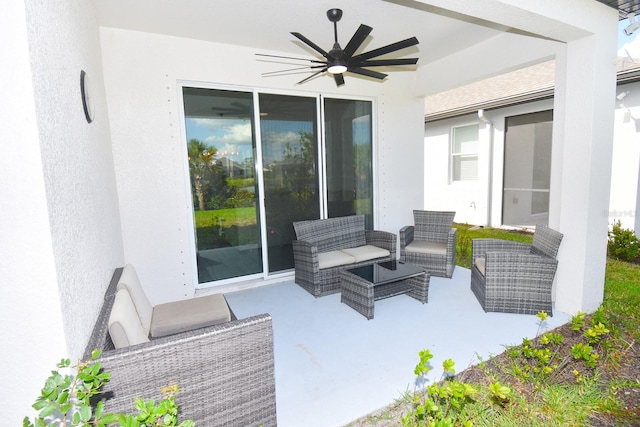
(266, 25)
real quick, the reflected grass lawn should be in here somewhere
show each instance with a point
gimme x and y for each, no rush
(226, 217)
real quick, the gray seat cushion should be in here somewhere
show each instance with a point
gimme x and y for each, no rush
(366, 252)
(180, 316)
(334, 259)
(425, 247)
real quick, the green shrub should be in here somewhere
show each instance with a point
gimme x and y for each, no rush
(623, 243)
(66, 400)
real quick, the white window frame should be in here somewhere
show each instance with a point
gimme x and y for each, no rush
(453, 155)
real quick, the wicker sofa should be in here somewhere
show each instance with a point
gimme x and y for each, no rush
(224, 372)
(324, 247)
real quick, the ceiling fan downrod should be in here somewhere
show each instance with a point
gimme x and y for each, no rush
(334, 16)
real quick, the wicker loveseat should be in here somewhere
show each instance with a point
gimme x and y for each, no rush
(324, 247)
(224, 372)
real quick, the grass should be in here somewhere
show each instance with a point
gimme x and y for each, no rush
(572, 394)
(466, 233)
(226, 217)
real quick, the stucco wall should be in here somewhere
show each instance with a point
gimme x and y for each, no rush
(467, 198)
(32, 343)
(142, 72)
(60, 226)
(77, 162)
(624, 204)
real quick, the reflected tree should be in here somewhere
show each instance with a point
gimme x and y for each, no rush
(299, 170)
(206, 174)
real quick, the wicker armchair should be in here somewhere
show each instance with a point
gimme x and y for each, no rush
(430, 243)
(515, 277)
(225, 372)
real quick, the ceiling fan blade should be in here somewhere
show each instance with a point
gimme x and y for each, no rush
(339, 78)
(358, 38)
(310, 44)
(368, 73)
(291, 57)
(293, 69)
(388, 49)
(387, 62)
(312, 76)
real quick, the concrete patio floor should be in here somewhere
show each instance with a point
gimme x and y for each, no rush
(332, 365)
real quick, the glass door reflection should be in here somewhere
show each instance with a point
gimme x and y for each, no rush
(220, 145)
(348, 141)
(288, 133)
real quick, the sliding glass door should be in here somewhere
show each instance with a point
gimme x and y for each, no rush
(220, 145)
(348, 147)
(256, 166)
(288, 132)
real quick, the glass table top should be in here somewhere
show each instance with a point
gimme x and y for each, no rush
(387, 272)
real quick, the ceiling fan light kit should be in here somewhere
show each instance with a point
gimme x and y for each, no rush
(338, 61)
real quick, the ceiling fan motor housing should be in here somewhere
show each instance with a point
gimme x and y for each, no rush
(334, 15)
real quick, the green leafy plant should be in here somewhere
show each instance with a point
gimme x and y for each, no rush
(443, 403)
(423, 365)
(65, 400)
(577, 321)
(595, 333)
(586, 353)
(164, 413)
(542, 316)
(500, 392)
(623, 244)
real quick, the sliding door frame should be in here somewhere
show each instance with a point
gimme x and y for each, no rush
(258, 162)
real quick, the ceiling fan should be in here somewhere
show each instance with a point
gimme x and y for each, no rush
(337, 61)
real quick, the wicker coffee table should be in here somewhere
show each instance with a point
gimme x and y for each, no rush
(362, 286)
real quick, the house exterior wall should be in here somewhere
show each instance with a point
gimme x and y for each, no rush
(440, 194)
(142, 73)
(26, 255)
(475, 202)
(467, 198)
(624, 204)
(59, 223)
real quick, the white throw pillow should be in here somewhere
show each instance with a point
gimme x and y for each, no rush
(481, 263)
(129, 281)
(125, 328)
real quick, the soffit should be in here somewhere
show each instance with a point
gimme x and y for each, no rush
(624, 7)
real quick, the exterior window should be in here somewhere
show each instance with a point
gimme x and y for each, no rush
(464, 153)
